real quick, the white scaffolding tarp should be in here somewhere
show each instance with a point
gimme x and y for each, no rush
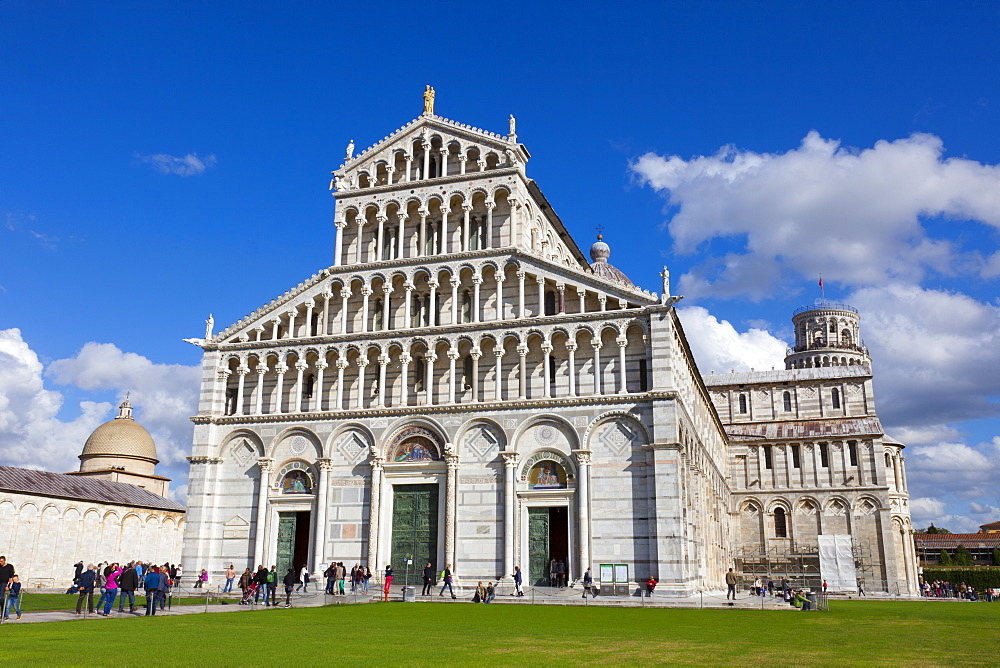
(836, 562)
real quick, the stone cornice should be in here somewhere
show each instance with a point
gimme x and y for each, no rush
(480, 407)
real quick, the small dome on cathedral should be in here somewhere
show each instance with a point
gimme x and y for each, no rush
(599, 254)
(121, 437)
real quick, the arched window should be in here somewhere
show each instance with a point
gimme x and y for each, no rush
(474, 234)
(836, 398)
(419, 371)
(780, 526)
(552, 374)
(466, 306)
(467, 372)
(743, 403)
(550, 303)
(786, 400)
(378, 316)
(310, 383)
(314, 325)
(768, 457)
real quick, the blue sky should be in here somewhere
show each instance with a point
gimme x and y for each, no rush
(161, 161)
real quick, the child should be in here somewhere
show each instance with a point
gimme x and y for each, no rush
(13, 598)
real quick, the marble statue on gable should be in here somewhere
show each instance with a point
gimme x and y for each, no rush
(350, 150)
(209, 325)
(665, 275)
(513, 125)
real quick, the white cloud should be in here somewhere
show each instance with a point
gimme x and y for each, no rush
(857, 216)
(935, 354)
(718, 346)
(923, 510)
(187, 165)
(31, 435)
(165, 395)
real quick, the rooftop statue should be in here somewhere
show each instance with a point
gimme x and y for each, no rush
(428, 100)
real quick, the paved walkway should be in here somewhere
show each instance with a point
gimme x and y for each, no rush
(533, 596)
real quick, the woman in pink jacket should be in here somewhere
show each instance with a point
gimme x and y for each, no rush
(110, 590)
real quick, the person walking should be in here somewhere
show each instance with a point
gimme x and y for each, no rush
(861, 587)
(85, 585)
(151, 583)
(446, 578)
(166, 585)
(368, 576)
(330, 575)
(128, 582)
(110, 590)
(342, 575)
(824, 585)
(178, 572)
(244, 584)
(731, 584)
(388, 580)
(6, 575)
(289, 582)
(230, 576)
(261, 578)
(13, 598)
(428, 580)
(518, 581)
(272, 585)
(588, 583)
(303, 580)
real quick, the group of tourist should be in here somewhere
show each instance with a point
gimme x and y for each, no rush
(122, 581)
(939, 589)
(337, 577)
(557, 573)
(10, 589)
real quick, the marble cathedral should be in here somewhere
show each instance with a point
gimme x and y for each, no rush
(464, 386)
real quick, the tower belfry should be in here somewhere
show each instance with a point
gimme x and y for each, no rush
(827, 334)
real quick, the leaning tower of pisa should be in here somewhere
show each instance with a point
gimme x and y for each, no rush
(827, 334)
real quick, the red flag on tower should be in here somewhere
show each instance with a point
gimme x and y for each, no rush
(821, 280)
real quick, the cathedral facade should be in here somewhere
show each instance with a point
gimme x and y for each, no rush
(462, 386)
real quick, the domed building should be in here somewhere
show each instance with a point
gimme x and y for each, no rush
(122, 450)
(113, 509)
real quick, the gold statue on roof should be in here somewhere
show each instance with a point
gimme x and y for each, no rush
(428, 101)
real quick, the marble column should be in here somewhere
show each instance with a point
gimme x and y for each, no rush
(358, 258)
(540, 281)
(432, 317)
(597, 368)
(454, 301)
(279, 388)
(622, 342)
(520, 293)
(386, 292)
(476, 354)
(341, 365)
(322, 501)
(450, 508)
(258, 407)
(510, 459)
(522, 373)
(374, 509)
(265, 465)
(365, 294)
(546, 370)
(362, 364)
(404, 380)
(383, 362)
(344, 295)
(476, 282)
(466, 210)
(452, 376)
(489, 224)
(242, 372)
(499, 302)
(498, 376)
(300, 368)
(571, 348)
(338, 259)
(429, 359)
(318, 390)
(408, 306)
(583, 507)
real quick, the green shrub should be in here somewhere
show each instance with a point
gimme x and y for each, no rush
(983, 577)
(944, 558)
(995, 557)
(963, 557)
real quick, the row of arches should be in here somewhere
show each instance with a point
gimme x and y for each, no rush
(428, 157)
(41, 539)
(430, 296)
(532, 364)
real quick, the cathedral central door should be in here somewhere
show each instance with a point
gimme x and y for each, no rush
(548, 539)
(414, 529)
(293, 542)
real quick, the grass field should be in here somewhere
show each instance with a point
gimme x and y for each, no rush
(852, 633)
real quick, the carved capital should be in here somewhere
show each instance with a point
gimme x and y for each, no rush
(510, 458)
(546, 347)
(362, 362)
(521, 275)
(301, 366)
(265, 465)
(342, 363)
(262, 369)
(571, 347)
(582, 457)
(320, 364)
(325, 465)
(522, 351)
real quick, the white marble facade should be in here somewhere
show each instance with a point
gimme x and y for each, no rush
(461, 341)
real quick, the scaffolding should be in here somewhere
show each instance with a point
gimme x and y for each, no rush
(799, 565)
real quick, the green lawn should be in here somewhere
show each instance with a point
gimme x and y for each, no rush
(855, 633)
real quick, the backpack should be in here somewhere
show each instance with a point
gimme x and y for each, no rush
(270, 577)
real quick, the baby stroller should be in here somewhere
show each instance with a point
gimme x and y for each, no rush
(249, 593)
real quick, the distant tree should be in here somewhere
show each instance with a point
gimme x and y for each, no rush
(944, 558)
(932, 529)
(995, 557)
(963, 557)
